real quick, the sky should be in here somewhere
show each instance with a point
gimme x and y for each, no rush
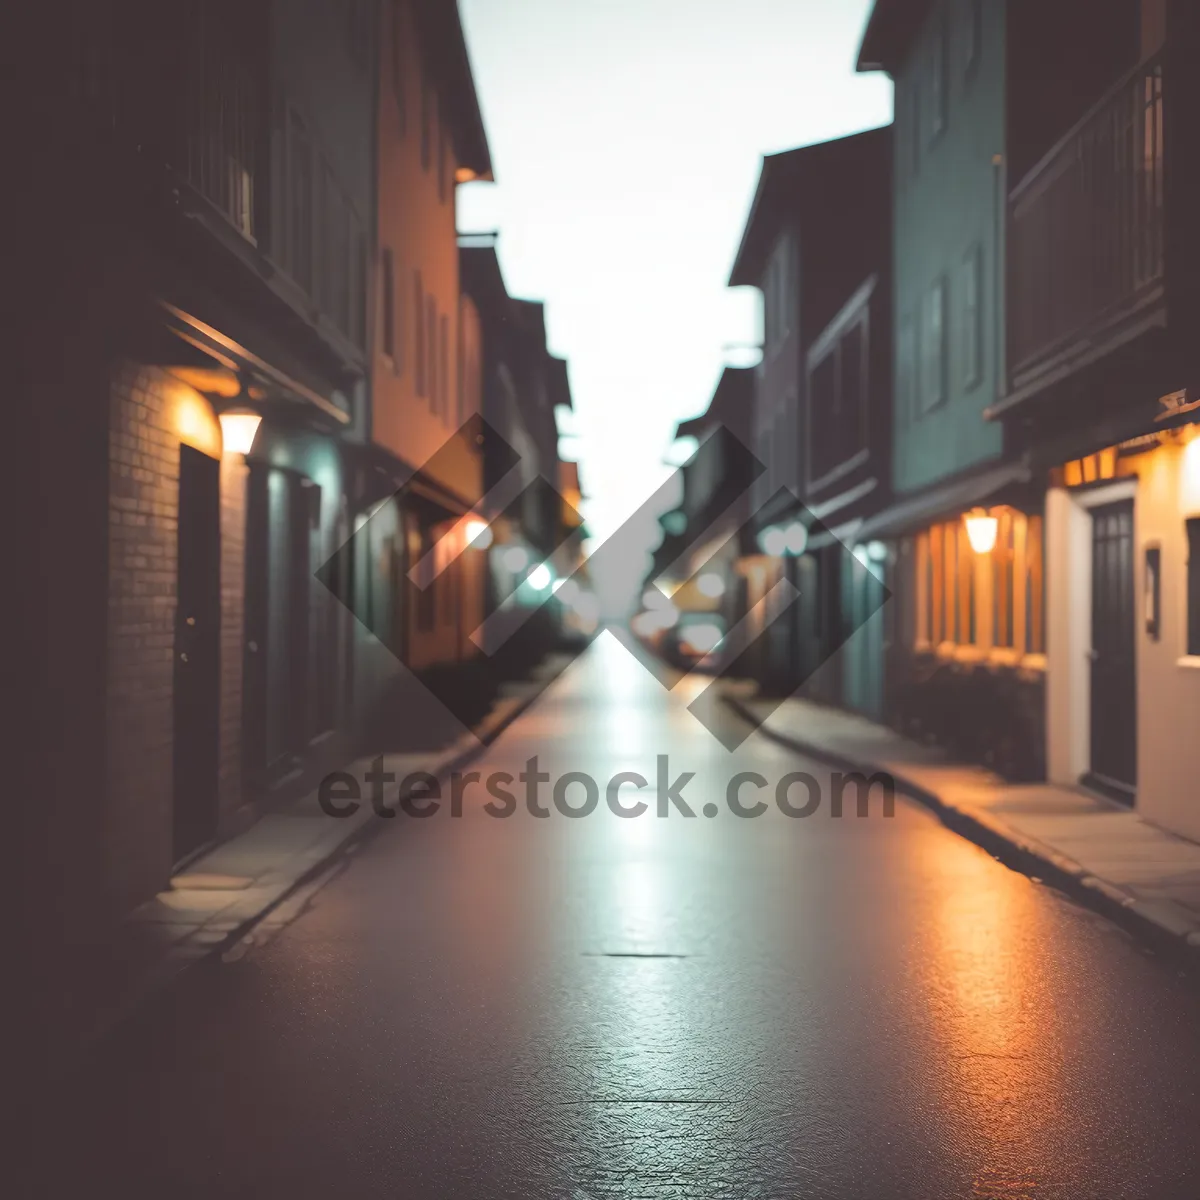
(626, 138)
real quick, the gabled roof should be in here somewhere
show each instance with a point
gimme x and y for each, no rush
(793, 184)
(442, 30)
(890, 29)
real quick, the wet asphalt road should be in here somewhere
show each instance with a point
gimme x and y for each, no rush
(855, 1008)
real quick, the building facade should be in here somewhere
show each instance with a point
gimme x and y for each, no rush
(817, 246)
(965, 664)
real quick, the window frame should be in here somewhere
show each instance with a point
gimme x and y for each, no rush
(388, 302)
(420, 366)
(1192, 596)
(398, 73)
(972, 311)
(938, 99)
(934, 389)
(972, 36)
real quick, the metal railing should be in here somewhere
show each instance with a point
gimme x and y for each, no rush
(1085, 244)
(171, 82)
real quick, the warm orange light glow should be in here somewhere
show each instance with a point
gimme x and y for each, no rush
(212, 382)
(238, 429)
(193, 420)
(464, 175)
(478, 533)
(981, 530)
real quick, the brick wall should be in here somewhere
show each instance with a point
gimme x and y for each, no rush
(234, 474)
(151, 415)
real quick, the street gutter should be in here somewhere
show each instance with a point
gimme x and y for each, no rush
(1160, 927)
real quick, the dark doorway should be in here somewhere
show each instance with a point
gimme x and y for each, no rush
(1114, 681)
(197, 648)
(279, 711)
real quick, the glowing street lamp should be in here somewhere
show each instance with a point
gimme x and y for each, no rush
(981, 530)
(540, 578)
(238, 429)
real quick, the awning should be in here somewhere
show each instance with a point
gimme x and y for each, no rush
(944, 501)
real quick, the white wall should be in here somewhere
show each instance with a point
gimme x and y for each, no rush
(1068, 637)
(1168, 681)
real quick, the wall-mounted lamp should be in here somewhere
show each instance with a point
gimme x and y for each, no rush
(238, 429)
(981, 530)
(479, 533)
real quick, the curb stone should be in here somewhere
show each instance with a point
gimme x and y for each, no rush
(1159, 924)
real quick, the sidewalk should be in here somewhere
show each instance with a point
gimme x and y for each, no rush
(1099, 852)
(260, 877)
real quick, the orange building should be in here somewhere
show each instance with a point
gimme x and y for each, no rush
(426, 345)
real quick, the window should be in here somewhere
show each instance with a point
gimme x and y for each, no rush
(444, 363)
(334, 257)
(1003, 583)
(427, 123)
(397, 48)
(460, 373)
(933, 367)
(972, 332)
(1035, 597)
(909, 378)
(431, 351)
(420, 365)
(914, 127)
(937, 80)
(971, 34)
(925, 590)
(1193, 586)
(300, 204)
(388, 306)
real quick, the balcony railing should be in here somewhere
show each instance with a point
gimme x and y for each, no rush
(171, 82)
(1086, 231)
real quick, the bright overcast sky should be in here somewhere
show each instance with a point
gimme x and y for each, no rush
(626, 137)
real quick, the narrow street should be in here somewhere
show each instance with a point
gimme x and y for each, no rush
(477, 1007)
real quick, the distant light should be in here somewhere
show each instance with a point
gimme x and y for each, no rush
(479, 533)
(703, 638)
(587, 606)
(654, 599)
(515, 558)
(674, 522)
(238, 428)
(710, 584)
(877, 551)
(567, 590)
(981, 530)
(773, 541)
(540, 577)
(795, 539)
